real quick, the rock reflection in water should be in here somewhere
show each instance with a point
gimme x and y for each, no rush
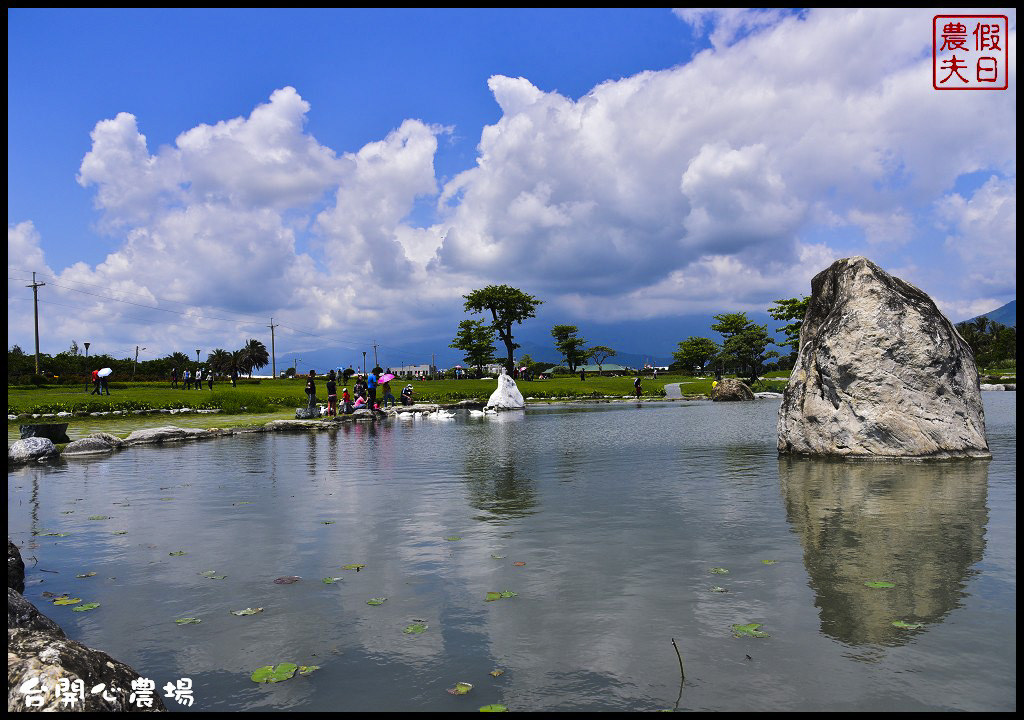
(920, 526)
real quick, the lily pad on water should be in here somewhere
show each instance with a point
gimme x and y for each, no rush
(327, 522)
(65, 600)
(308, 669)
(415, 628)
(47, 533)
(461, 688)
(188, 621)
(177, 553)
(453, 538)
(376, 601)
(120, 532)
(906, 626)
(85, 575)
(498, 557)
(274, 673)
(212, 574)
(719, 571)
(518, 564)
(99, 517)
(494, 708)
(499, 595)
(769, 562)
(247, 611)
(85, 607)
(880, 584)
(330, 580)
(287, 580)
(496, 672)
(750, 630)
(353, 566)
(716, 588)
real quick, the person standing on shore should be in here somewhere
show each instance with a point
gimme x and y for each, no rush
(311, 390)
(332, 395)
(95, 383)
(371, 388)
(636, 387)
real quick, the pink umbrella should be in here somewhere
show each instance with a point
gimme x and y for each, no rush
(385, 378)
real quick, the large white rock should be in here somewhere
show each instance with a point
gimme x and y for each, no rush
(31, 448)
(880, 373)
(507, 396)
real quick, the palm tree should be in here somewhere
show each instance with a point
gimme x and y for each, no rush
(255, 355)
(219, 361)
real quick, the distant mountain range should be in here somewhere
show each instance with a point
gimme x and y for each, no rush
(1005, 315)
(548, 354)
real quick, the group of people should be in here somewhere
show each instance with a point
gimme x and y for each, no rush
(194, 379)
(364, 393)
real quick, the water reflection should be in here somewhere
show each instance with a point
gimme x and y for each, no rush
(498, 469)
(918, 525)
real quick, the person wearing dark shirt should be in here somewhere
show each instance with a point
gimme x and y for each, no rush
(311, 389)
(332, 395)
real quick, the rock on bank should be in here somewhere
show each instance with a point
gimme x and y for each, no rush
(880, 373)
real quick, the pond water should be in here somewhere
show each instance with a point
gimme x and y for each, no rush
(619, 512)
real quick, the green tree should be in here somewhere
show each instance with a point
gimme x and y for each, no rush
(476, 339)
(745, 343)
(600, 353)
(508, 306)
(254, 356)
(695, 353)
(794, 310)
(572, 347)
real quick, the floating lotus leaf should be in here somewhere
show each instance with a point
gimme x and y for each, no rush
(86, 607)
(353, 566)
(492, 596)
(99, 517)
(907, 626)
(496, 672)
(244, 502)
(212, 575)
(376, 601)
(177, 553)
(327, 522)
(85, 575)
(453, 538)
(518, 564)
(166, 499)
(247, 611)
(719, 571)
(461, 688)
(498, 557)
(716, 588)
(494, 708)
(415, 629)
(67, 512)
(330, 580)
(65, 600)
(769, 562)
(880, 584)
(120, 532)
(47, 533)
(287, 580)
(750, 630)
(308, 669)
(274, 673)
(188, 621)
(508, 594)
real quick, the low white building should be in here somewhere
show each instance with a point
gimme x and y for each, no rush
(414, 370)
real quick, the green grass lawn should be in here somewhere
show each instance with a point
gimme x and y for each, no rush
(270, 395)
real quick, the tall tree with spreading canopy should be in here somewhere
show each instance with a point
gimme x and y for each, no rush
(476, 339)
(572, 347)
(745, 342)
(600, 353)
(696, 352)
(508, 306)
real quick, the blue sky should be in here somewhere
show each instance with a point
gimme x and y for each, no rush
(178, 177)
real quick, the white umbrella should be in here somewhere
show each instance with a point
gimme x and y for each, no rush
(104, 372)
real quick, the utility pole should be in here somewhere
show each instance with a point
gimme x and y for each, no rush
(273, 357)
(137, 360)
(364, 362)
(35, 306)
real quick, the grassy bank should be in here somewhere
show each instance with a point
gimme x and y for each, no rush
(274, 395)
